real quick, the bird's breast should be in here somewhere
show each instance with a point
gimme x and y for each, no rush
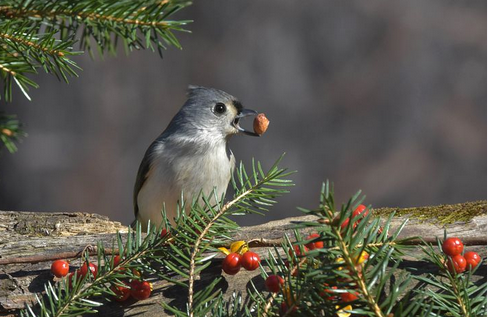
(204, 171)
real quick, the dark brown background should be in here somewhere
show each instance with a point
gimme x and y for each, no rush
(384, 96)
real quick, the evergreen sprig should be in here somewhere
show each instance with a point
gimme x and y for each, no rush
(39, 35)
(450, 294)
(77, 295)
(315, 280)
(207, 226)
(177, 254)
(335, 269)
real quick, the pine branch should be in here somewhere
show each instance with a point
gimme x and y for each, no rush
(40, 35)
(334, 269)
(29, 31)
(207, 226)
(73, 296)
(26, 51)
(459, 296)
(199, 240)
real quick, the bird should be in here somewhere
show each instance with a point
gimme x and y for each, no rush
(191, 156)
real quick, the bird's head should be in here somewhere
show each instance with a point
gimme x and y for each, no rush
(212, 112)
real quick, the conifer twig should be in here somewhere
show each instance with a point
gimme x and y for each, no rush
(191, 279)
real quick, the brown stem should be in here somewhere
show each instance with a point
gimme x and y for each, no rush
(11, 12)
(269, 303)
(191, 280)
(31, 44)
(359, 279)
(458, 296)
(7, 70)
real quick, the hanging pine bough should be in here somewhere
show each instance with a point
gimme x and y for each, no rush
(41, 35)
(352, 264)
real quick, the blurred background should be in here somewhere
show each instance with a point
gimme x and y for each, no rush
(384, 96)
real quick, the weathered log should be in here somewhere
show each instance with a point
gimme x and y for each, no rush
(30, 241)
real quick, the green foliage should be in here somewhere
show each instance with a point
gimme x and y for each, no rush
(455, 294)
(179, 256)
(40, 35)
(314, 280)
(10, 131)
(80, 295)
(207, 226)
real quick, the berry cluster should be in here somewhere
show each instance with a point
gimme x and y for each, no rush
(137, 288)
(60, 268)
(457, 261)
(239, 256)
(275, 283)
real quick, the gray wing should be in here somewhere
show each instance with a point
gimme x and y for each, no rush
(142, 175)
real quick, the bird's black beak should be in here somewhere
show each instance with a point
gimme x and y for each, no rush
(244, 113)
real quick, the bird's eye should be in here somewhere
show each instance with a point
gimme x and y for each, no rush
(220, 108)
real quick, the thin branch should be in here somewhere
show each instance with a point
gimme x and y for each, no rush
(7, 70)
(459, 298)
(222, 211)
(14, 13)
(269, 303)
(31, 44)
(358, 278)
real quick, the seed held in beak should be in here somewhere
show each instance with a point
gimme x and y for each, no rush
(244, 113)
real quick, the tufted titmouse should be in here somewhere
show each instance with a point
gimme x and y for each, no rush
(190, 156)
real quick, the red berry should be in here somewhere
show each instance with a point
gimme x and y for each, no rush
(273, 283)
(165, 234)
(452, 246)
(122, 292)
(93, 269)
(328, 292)
(345, 223)
(299, 252)
(456, 264)
(472, 259)
(232, 264)
(380, 230)
(140, 289)
(250, 261)
(349, 297)
(314, 245)
(71, 278)
(60, 268)
(116, 260)
(361, 209)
